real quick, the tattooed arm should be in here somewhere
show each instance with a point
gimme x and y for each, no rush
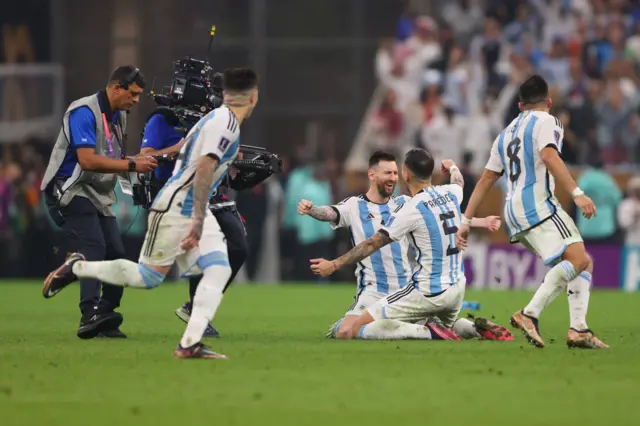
(201, 186)
(448, 166)
(321, 213)
(361, 251)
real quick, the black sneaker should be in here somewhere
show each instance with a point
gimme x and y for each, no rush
(61, 277)
(112, 334)
(99, 322)
(198, 350)
(184, 313)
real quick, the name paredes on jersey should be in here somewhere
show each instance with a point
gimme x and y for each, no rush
(440, 201)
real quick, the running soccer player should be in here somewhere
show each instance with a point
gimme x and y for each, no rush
(427, 292)
(528, 153)
(181, 227)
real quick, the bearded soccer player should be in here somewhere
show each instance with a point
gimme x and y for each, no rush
(387, 270)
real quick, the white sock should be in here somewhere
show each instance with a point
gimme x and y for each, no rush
(578, 291)
(465, 329)
(205, 303)
(393, 330)
(119, 272)
(554, 283)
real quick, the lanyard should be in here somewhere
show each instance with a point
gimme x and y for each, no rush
(109, 137)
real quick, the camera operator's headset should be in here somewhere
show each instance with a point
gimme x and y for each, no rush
(126, 82)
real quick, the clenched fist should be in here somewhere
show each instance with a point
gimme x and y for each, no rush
(304, 207)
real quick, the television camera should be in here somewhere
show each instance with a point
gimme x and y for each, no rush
(194, 91)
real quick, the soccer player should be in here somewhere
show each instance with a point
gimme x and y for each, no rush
(528, 153)
(388, 270)
(181, 227)
(427, 222)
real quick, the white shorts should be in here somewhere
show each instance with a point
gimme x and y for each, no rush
(409, 305)
(551, 238)
(364, 300)
(165, 232)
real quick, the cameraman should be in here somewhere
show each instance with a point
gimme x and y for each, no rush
(164, 135)
(161, 138)
(86, 163)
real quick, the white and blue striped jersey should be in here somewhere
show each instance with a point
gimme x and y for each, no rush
(387, 270)
(430, 220)
(516, 151)
(216, 134)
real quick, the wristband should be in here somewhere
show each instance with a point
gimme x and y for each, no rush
(454, 167)
(465, 221)
(577, 192)
(132, 166)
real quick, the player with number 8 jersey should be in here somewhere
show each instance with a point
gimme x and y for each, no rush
(530, 195)
(527, 153)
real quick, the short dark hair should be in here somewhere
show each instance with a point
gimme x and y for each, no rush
(533, 90)
(420, 163)
(125, 75)
(239, 79)
(379, 156)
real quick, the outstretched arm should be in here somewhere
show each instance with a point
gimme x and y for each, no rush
(486, 181)
(321, 213)
(172, 150)
(492, 223)
(363, 250)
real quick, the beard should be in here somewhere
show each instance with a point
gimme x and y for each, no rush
(384, 191)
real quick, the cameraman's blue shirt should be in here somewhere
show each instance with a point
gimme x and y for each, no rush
(82, 129)
(158, 134)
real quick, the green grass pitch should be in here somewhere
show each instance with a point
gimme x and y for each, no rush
(282, 371)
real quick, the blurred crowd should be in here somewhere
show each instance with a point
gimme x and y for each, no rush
(24, 226)
(451, 80)
(449, 84)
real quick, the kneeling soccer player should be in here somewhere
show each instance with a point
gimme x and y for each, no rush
(387, 270)
(428, 222)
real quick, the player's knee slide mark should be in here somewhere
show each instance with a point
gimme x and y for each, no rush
(151, 278)
(214, 258)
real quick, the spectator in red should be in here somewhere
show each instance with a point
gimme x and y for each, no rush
(388, 116)
(386, 123)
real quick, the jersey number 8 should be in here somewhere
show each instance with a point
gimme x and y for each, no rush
(515, 168)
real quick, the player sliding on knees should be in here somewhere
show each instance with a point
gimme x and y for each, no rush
(392, 303)
(527, 152)
(181, 227)
(387, 270)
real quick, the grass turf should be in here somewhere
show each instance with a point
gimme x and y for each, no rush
(282, 371)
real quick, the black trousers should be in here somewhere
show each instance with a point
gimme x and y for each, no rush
(237, 246)
(97, 237)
